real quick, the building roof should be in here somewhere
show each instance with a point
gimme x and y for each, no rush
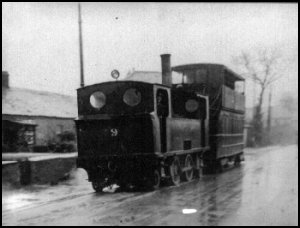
(145, 76)
(16, 101)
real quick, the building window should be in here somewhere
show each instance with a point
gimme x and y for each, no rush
(29, 135)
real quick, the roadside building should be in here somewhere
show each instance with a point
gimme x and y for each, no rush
(34, 118)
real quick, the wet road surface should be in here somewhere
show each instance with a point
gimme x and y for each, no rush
(262, 191)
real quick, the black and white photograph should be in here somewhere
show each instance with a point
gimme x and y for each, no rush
(149, 114)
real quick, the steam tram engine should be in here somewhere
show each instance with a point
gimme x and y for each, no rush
(137, 132)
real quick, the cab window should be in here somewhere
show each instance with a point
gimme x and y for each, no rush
(187, 105)
(162, 103)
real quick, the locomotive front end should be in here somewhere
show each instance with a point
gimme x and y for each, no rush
(115, 132)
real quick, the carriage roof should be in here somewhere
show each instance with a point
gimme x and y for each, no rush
(230, 74)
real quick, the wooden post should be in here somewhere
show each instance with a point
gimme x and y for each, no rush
(80, 47)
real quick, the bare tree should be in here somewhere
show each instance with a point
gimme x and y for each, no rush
(262, 67)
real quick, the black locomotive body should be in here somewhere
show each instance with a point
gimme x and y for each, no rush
(137, 132)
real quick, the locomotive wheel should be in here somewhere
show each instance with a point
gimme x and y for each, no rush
(223, 164)
(98, 185)
(175, 171)
(237, 160)
(199, 168)
(189, 168)
(153, 180)
(156, 179)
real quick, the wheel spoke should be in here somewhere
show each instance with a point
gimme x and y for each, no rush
(189, 166)
(156, 183)
(175, 171)
(199, 168)
(98, 185)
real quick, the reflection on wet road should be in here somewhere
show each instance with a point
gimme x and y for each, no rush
(262, 191)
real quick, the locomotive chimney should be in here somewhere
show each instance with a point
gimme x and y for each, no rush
(166, 69)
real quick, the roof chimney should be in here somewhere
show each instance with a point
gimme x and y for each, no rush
(166, 69)
(5, 77)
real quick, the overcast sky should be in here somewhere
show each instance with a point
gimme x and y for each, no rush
(40, 40)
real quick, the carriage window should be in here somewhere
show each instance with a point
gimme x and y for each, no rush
(189, 76)
(162, 103)
(132, 97)
(201, 76)
(98, 99)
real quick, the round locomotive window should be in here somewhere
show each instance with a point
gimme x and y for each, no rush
(132, 97)
(191, 105)
(98, 99)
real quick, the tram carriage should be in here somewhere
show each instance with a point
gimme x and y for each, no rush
(140, 133)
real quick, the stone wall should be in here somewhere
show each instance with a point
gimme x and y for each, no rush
(10, 173)
(31, 168)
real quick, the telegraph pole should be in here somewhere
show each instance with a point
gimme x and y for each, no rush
(80, 47)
